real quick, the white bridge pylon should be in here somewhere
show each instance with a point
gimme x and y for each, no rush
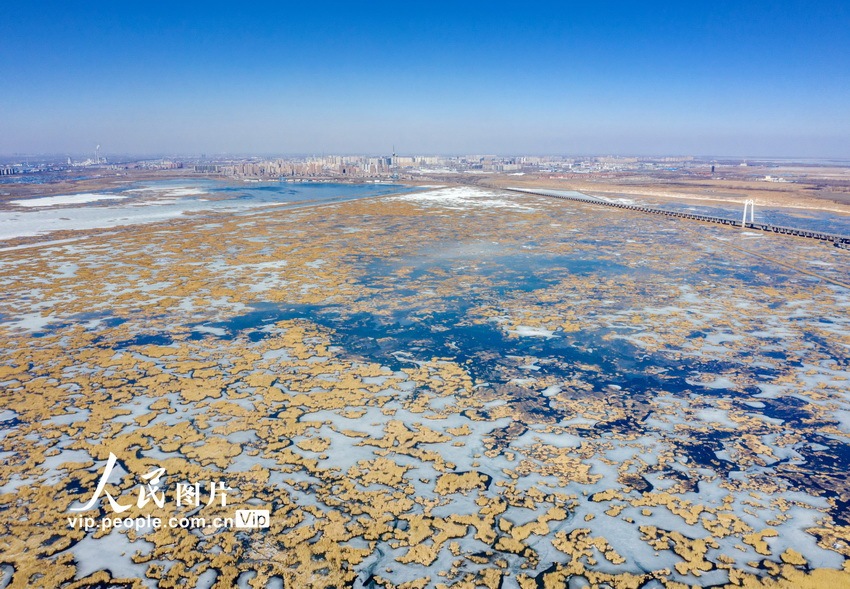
(752, 206)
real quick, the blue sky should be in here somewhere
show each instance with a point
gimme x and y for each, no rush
(722, 78)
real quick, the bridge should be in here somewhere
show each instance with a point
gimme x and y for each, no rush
(840, 241)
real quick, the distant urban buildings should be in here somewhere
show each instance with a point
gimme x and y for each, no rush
(365, 168)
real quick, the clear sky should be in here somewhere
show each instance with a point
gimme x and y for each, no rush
(721, 78)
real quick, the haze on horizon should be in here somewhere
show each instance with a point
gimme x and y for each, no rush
(757, 79)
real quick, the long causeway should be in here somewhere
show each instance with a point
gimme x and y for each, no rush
(837, 240)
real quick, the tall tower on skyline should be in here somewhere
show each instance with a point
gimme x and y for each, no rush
(394, 165)
(97, 155)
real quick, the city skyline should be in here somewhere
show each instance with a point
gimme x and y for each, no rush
(755, 80)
